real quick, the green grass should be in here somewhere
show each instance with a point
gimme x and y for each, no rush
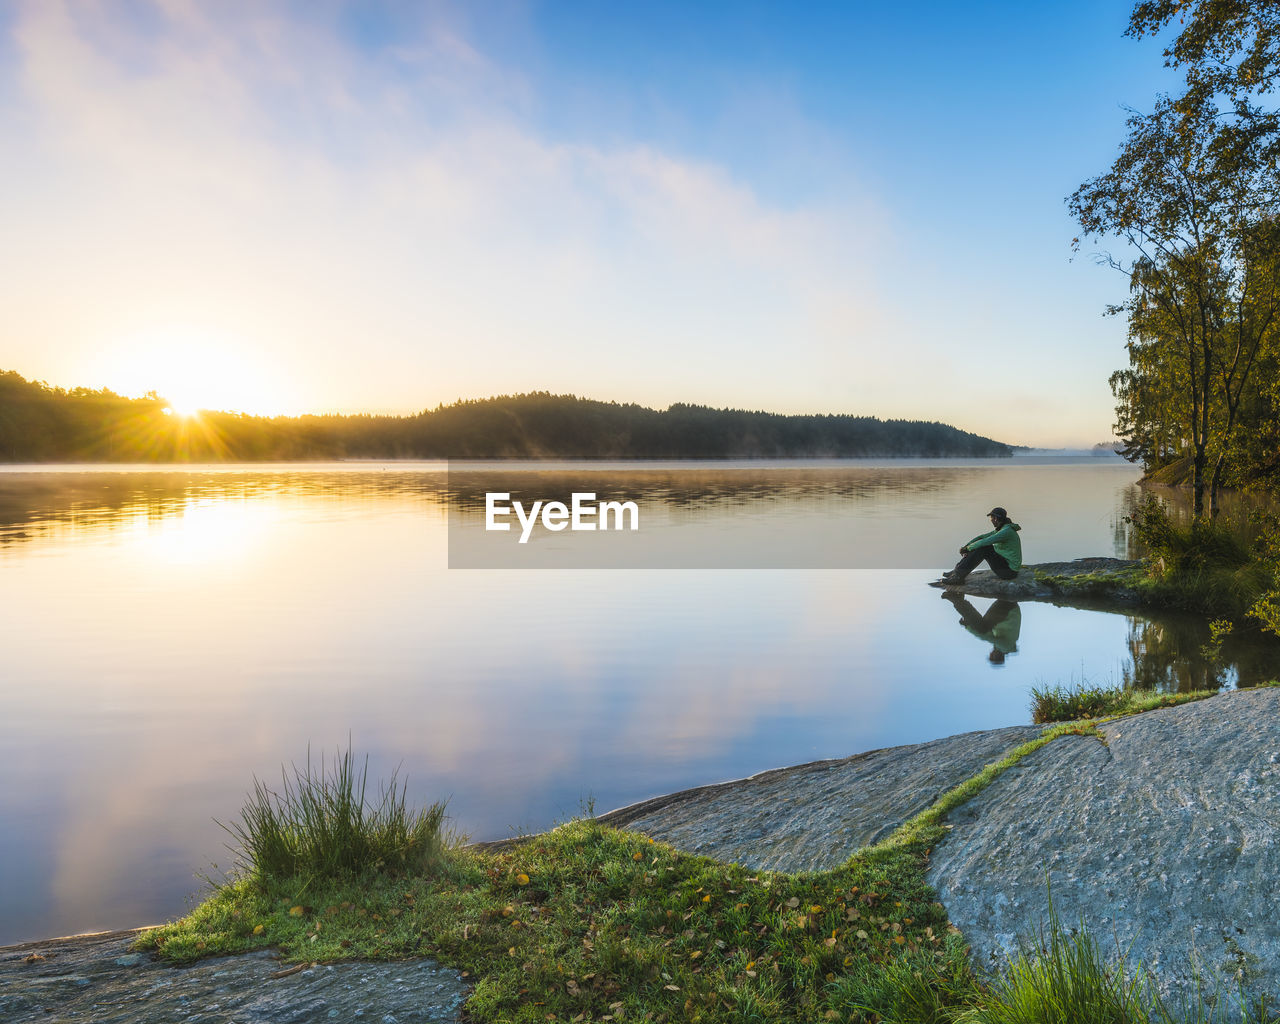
(587, 919)
(588, 923)
(1070, 703)
(1067, 980)
(1101, 584)
(321, 824)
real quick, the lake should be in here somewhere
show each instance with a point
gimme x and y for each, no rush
(171, 633)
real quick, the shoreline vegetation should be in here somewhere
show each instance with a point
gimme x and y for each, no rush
(39, 423)
(588, 922)
(1226, 569)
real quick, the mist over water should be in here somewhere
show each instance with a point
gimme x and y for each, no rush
(170, 633)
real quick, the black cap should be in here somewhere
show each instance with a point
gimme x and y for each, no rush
(998, 511)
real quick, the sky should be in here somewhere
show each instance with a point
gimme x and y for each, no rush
(323, 206)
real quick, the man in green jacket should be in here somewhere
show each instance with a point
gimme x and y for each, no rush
(1001, 549)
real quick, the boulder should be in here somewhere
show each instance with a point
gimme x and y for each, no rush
(814, 816)
(1163, 838)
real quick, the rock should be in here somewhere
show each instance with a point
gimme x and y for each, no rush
(1165, 841)
(812, 817)
(1108, 578)
(96, 978)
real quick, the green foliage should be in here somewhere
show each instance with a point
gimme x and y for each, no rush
(1219, 630)
(1266, 608)
(1194, 547)
(320, 826)
(1192, 193)
(1215, 567)
(1225, 46)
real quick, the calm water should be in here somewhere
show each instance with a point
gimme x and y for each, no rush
(167, 635)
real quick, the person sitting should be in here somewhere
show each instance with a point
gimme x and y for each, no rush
(1001, 549)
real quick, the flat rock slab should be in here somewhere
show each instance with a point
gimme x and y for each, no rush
(812, 817)
(1029, 586)
(1166, 840)
(96, 978)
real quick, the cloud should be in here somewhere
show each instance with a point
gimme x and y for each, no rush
(385, 226)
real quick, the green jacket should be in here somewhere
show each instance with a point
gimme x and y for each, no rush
(1003, 636)
(1005, 541)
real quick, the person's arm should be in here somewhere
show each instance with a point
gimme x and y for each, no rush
(987, 538)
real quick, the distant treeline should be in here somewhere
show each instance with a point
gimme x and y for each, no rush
(39, 423)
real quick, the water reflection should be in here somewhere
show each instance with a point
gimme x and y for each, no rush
(1171, 653)
(82, 501)
(1000, 625)
(169, 634)
(854, 514)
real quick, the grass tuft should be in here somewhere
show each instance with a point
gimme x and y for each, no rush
(1073, 703)
(320, 825)
(1065, 981)
(1066, 704)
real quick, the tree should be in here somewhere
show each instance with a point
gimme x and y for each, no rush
(1196, 212)
(1228, 47)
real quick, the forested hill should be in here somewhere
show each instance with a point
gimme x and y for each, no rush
(42, 423)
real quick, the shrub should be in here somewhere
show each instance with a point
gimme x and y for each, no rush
(1191, 547)
(1215, 567)
(320, 824)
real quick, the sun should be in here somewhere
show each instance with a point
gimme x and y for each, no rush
(196, 371)
(181, 404)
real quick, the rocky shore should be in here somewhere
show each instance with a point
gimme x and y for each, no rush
(1161, 835)
(1107, 579)
(98, 979)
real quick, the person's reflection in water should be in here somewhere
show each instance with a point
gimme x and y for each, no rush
(999, 627)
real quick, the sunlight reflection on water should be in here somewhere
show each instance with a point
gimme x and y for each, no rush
(168, 634)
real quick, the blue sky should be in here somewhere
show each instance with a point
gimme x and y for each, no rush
(379, 207)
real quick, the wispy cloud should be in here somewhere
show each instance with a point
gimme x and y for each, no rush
(383, 226)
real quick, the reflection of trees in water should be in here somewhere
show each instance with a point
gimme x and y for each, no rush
(1169, 656)
(1177, 500)
(689, 492)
